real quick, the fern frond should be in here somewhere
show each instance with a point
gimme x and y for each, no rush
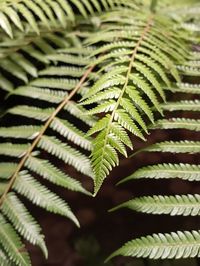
(188, 70)
(12, 244)
(68, 154)
(4, 259)
(20, 57)
(174, 205)
(24, 132)
(161, 246)
(182, 106)
(129, 66)
(53, 174)
(27, 186)
(176, 244)
(190, 172)
(23, 221)
(185, 88)
(183, 146)
(7, 169)
(68, 144)
(176, 123)
(47, 12)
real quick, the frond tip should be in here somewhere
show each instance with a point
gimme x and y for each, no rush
(162, 246)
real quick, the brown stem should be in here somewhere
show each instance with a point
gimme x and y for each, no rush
(42, 131)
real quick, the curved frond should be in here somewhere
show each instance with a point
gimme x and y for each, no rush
(131, 69)
(180, 244)
(161, 246)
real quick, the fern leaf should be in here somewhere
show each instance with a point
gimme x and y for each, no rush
(14, 69)
(31, 112)
(25, 64)
(5, 84)
(4, 23)
(7, 169)
(182, 106)
(66, 153)
(62, 71)
(119, 75)
(14, 150)
(24, 132)
(12, 14)
(69, 59)
(42, 94)
(176, 123)
(68, 130)
(162, 246)
(26, 13)
(174, 205)
(23, 221)
(188, 70)
(188, 172)
(4, 259)
(190, 147)
(41, 196)
(53, 174)
(12, 244)
(62, 84)
(155, 67)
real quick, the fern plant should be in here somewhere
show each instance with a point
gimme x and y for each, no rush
(107, 68)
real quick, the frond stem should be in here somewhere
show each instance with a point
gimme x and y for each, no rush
(41, 133)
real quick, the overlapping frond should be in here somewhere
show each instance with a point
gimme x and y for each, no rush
(37, 131)
(137, 58)
(15, 14)
(182, 205)
(133, 62)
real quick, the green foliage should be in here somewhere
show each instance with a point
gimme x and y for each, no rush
(180, 244)
(175, 245)
(132, 72)
(104, 67)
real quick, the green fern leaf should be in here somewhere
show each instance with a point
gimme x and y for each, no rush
(12, 244)
(174, 205)
(162, 246)
(188, 172)
(53, 174)
(7, 169)
(41, 196)
(176, 123)
(182, 106)
(14, 150)
(24, 132)
(190, 147)
(131, 67)
(66, 153)
(23, 221)
(4, 259)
